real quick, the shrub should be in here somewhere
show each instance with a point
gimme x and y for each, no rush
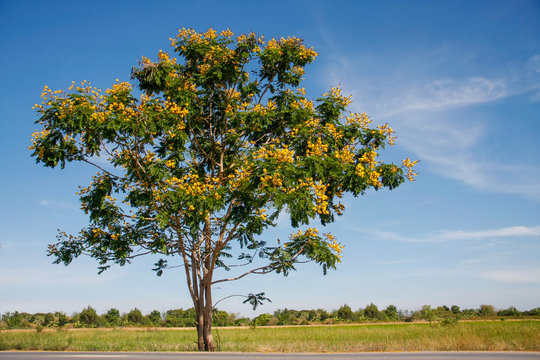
(154, 318)
(391, 312)
(511, 311)
(135, 317)
(486, 310)
(371, 312)
(345, 313)
(88, 317)
(112, 317)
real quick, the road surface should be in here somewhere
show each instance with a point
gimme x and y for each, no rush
(39, 355)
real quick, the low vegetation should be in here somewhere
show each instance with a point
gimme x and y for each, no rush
(89, 318)
(463, 336)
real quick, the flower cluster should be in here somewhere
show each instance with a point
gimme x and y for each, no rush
(335, 94)
(36, 136)
(275, 179)
(261, 213)
(387, 131)
(176, 110)
(119, 87)
(304, 52)
(334, 245)
(319, 192)
(192, 185)
(368, 158)
(409, 165)
(317, 148)
(334, 132)
(260, 109)
(309, 233)
(238, 178)
(164, 57)
(281, 155)
(345, 155)
(366, 167)
(359, 119)
(170, 164)
(303, 103)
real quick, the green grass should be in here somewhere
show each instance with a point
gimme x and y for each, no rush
(464, 336)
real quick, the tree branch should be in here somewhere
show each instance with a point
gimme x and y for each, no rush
(102, 169)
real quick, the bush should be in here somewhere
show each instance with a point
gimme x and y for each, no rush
(181, 318)
(135, 317)
(222, 318)
(449, 320)
(371, 312)
(486, 310)
(391, 312)
(112, 317)
(49, 320)
(61, 318)
(426, 313)
(532, 312)
(511, 311)
(262, 319)
(89, 318)
(155, 319)
(345, 313)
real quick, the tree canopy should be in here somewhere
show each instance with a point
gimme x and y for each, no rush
(209, 150)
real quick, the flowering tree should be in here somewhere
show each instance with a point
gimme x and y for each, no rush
(217, 145)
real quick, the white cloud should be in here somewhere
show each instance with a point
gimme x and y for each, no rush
(58, 204)
(514, 276)
(503, 232)
(429, 112)
(446, 235)
(442, 94)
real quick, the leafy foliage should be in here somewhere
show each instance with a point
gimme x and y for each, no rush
(256, 300)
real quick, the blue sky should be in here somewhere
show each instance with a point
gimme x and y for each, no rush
(458, 80)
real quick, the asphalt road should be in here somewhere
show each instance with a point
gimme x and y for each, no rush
(38, 355)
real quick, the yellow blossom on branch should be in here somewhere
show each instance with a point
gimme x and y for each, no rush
(317, 148)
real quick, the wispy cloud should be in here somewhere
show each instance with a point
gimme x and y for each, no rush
(443, 94)
(512, 231)
(430, 113)
(446, 235)
(58, 204)
(531, 276)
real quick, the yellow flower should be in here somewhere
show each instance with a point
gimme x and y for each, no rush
(317, 148)
(227, 33)
(409, 165)
(358, 119)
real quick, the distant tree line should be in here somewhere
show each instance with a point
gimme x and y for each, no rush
(371, 313)
(89, 318)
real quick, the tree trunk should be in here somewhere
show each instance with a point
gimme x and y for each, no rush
(200, 331)
(205, 340)
(209, 344)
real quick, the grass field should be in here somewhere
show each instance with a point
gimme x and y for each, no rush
(463, 336)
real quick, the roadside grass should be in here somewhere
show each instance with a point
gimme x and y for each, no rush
(465, 336)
